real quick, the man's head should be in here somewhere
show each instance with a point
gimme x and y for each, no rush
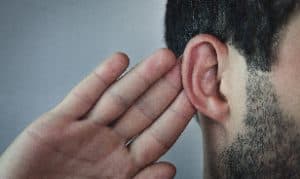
(240, 71)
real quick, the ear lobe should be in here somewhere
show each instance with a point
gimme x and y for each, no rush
(202, 68)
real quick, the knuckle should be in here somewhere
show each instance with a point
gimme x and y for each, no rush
(145, 80)
(172, 84)
(82, 97)
(144, 110)
(100, 78)
(119, 100)
(177, 113)
(164, 144)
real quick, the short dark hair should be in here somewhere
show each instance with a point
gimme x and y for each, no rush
(251, 26)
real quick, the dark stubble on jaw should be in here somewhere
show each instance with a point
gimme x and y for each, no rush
(270, 146)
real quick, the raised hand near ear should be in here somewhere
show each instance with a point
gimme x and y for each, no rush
(107, 127)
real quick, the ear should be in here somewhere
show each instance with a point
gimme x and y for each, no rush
(204, 61)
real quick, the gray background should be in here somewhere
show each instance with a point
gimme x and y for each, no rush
(48, 46)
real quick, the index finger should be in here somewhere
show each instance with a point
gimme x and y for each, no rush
(158, 139)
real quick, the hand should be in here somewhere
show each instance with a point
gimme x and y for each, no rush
(107, 127)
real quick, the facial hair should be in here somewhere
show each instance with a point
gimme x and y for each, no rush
(270, 145)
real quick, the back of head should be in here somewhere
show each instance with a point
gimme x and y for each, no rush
(252, 26)
(240, 71)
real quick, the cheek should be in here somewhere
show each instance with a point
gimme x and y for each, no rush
(286, 79)
(286, 76)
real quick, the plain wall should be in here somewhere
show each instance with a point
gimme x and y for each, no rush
(48, 46)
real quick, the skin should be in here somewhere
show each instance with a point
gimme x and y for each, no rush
(250, 118)
(107, 127)
(285, 76)
(258, 137)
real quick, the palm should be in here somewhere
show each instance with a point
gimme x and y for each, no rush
(87, 134)
(77, 151)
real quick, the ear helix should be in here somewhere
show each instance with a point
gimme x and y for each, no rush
(201, 73)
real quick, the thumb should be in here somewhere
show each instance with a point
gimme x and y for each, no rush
(160, 170)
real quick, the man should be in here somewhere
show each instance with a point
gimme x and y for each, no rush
(242, 76)
(239, 72)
